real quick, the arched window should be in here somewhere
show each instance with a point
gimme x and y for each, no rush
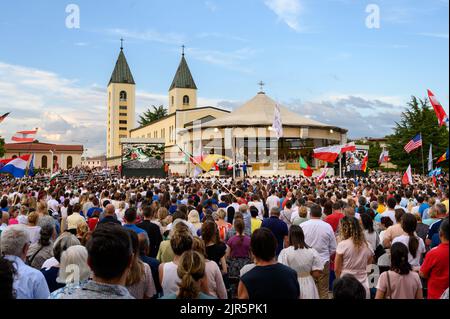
(44, 161)
(69, 162)
(123, 96)
(185, 100)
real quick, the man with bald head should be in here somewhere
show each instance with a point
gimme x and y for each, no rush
(109, 215)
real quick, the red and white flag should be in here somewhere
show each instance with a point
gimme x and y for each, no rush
(350, 147)
(438, 109)
(25, 136)
(384, 157)
(407, 177)
(327, 154)
(323, 174)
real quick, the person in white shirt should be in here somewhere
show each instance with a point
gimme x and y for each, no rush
(53, 204)
(390, 211)
(415, 244)
(272, 201)
(258, 204)
(320, 236)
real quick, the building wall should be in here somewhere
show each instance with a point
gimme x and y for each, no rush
(161, 130)
(62, 158)
(93, 163)
(176, 99)
(116, 129)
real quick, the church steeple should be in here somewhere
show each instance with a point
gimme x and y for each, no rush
(183, 91)
(183, 78)
(121, 105)
(122, 72)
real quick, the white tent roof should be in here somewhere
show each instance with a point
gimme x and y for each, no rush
(259, 111)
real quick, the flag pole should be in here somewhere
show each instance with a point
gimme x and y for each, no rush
(423, 158)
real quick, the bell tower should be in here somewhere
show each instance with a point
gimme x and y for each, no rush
(121, 105)
(183, 91)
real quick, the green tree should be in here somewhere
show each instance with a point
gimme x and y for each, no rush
(2, 147)
(417, 118)
(152, 115)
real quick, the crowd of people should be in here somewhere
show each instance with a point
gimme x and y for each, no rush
(107, 237)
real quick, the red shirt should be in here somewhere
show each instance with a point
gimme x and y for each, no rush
(334, 219)
(435, 267)
(92, 222)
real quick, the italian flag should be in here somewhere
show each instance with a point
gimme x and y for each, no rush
(307, 171)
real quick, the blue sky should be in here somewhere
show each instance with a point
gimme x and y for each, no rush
(316, 56)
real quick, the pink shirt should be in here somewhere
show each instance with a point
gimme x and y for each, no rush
(402, 286)
(355, 260)
(13, 221)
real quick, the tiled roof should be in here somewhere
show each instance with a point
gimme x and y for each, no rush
(32, 147)
(183, 78)
(122, 72)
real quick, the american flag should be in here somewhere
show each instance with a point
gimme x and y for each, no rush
(415, 143)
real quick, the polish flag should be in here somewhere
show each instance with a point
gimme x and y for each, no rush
(438, 109)
(25, 136)
(328, 154)
(350, 147)
(323, 174)
(407, 177)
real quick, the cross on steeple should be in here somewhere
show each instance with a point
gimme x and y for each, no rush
(182, 49)
(261, 86)
(121, 43)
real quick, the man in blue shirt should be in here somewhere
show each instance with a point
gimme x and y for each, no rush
(277, 226)
(423, 205)
(94, 208)
(130, 221)
(29, 283)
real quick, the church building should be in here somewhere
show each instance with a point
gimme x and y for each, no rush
(244, 134)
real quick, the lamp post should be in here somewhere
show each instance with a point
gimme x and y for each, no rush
(53, 162)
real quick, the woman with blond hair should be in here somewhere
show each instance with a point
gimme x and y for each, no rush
(180, 241)
(120, 211)
(216, 286)
(42, 208)
(163, 219)
(194, 219)
(32, 228)
(353, 253)
(302, 216)
(222, 225)
(139, 281)
(191, 273)
(82, 230)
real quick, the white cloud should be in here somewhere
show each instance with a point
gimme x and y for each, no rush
(211, 6)
(363, 117)
(287, 11)
(434, 35)
(64, 112)
(231, 60)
